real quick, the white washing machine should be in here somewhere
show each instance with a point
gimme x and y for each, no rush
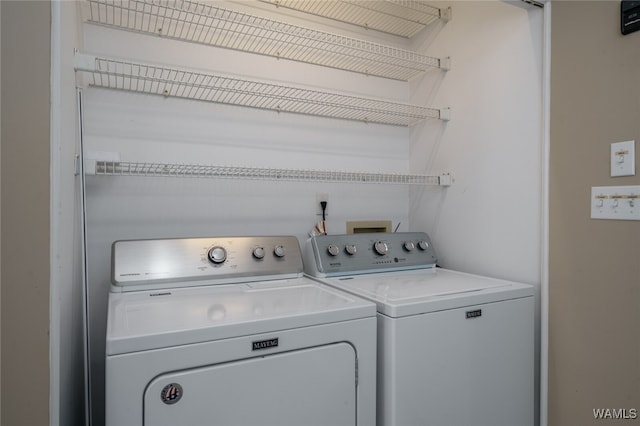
(227, 331)
(454, 349)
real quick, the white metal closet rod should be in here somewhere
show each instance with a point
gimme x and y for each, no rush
(212, 25)
(124, 168)
(218, 88)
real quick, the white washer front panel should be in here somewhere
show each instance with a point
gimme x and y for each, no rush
(154, 319)
(309, 387)
(450, 368)
(403, 293)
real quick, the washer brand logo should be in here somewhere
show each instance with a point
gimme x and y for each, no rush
(264, 344)
(474, 314)
(171, 393)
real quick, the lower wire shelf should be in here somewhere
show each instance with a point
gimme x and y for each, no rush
(126, 168)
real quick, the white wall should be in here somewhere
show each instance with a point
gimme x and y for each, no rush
(489, 221)
(66, 299)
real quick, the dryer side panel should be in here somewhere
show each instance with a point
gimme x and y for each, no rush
(311, 387)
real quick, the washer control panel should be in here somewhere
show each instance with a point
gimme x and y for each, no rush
(327, 255)
(141, 264)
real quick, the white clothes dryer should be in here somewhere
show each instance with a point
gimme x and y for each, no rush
(454, 349)
(227, 331)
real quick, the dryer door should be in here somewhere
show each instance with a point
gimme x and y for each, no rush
(307, 387)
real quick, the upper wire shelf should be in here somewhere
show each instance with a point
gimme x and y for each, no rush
(181, 83)
(404, 18)
(212, 25)
(124, 168)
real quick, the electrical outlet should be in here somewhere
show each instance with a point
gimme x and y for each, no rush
(320, 197)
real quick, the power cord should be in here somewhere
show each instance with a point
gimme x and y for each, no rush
(323, 204)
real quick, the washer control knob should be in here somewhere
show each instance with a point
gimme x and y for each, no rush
(217, 255)
(423, 245)
(279, 250)
(408, 245)
(258, 252)
(380, 247)
(350, 249)
(333, 250)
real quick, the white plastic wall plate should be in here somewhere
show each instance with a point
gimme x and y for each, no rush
(623, 158)
(615, 202)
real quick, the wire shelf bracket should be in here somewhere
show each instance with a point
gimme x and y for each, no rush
(204, 86)
(212, 25)
(403, 18)
(126, 168)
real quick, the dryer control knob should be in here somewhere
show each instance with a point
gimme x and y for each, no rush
(333, 250)
(217, 254)
(350, 249)
(423, 245)
(279, 250)
(380, 247)
(258, 252)
(408, 245)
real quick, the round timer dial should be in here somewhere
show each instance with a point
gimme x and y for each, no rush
(333, 250)
(217, 255)
(423, 245)
(350, 249)
(258, 252)
(279, 250)
(381, 247)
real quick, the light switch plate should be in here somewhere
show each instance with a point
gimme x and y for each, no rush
(623, 158)
(615, 202)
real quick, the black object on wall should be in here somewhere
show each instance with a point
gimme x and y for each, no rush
(629, 16)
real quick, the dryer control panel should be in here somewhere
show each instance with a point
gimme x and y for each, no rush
(181, 262)
(346, 254)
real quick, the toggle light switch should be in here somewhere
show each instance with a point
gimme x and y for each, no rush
(615, 202)
(623, 158)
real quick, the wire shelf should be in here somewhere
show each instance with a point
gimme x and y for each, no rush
(215, 26)
(180, 83)
(121, 168)
(404, 18)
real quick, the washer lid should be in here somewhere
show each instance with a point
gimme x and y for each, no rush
(161, 318)
(404, 293)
